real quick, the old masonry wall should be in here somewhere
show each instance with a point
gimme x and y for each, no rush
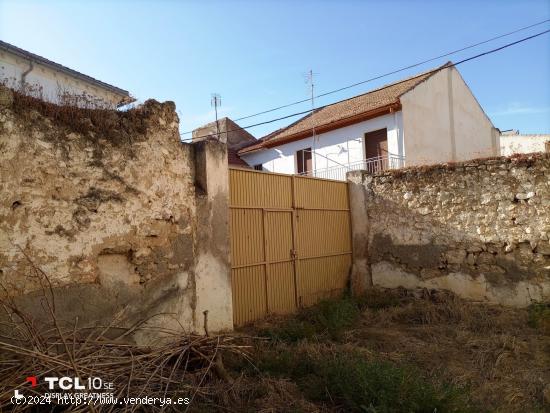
(479, 228)
(115, 212)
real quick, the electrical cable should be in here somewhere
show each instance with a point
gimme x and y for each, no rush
(389, 73)
(386, 86)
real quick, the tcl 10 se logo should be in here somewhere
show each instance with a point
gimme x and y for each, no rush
(73, 383)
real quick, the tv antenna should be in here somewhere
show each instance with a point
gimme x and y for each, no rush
(215, 102)
(310, 81)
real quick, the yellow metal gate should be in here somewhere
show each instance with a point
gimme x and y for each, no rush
(290, 242)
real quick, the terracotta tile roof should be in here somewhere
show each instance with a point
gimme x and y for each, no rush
(233, 159)
(356, 109)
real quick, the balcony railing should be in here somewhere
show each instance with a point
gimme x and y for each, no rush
(370, 165)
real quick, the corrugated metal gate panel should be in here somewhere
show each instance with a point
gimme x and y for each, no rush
(248, 188)
(332, 228)
(247, 240)
(321, 193)
(278, 235)
(322, 277)
(249, 303)
(281, 290)
(290, 242)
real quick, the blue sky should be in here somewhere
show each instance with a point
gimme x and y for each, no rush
(255, 54)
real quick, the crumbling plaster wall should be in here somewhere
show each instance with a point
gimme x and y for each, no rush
(479, 228)
(113, 220)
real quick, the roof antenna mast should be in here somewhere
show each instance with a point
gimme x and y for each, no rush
(311, 82)
(216, 101)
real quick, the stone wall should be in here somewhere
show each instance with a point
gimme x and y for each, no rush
(115, 212)
(480, 228)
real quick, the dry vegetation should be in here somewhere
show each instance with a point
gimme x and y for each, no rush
(390, 351)
(175, 365)
(429, 347)
(82, 114)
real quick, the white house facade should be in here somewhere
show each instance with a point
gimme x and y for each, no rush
(513, 142)
(334, 152)
(429, 118)
(53, 82)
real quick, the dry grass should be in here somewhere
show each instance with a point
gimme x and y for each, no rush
(415, 347)
(83, 115)
(490, 350)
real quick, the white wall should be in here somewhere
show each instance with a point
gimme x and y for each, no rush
(333, 145)
(51, 82)
(443, 122)
(510, 144)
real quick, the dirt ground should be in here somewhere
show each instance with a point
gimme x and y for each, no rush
(500, 357)
(492, 350)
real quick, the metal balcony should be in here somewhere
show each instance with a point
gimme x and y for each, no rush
(371, 165)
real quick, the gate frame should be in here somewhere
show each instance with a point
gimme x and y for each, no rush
(295, 257)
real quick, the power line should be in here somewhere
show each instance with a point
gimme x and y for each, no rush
(257, 124)
(389, 73)
(395, 83)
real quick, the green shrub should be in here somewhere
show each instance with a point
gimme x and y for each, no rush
(350, 382)
(329, 318)
(333, 317)
(360, 385)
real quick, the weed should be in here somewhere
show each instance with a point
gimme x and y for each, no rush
(351, 382)
(291, 331)
(329, 318)
(378, 387)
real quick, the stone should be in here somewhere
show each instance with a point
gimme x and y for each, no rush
(485, 198)
(474, 248)
(485, 258)
(424, 211)
(543, 247)
(524, 196)
(455, 256)
(509, 248)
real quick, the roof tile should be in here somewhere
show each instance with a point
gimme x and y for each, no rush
(348, 108)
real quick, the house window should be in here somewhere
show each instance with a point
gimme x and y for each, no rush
(259, 167)
(303, 162)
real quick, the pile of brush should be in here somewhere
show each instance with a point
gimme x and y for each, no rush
(178, 367)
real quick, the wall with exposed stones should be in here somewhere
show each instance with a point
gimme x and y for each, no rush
(480, 228)
(115, 212)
